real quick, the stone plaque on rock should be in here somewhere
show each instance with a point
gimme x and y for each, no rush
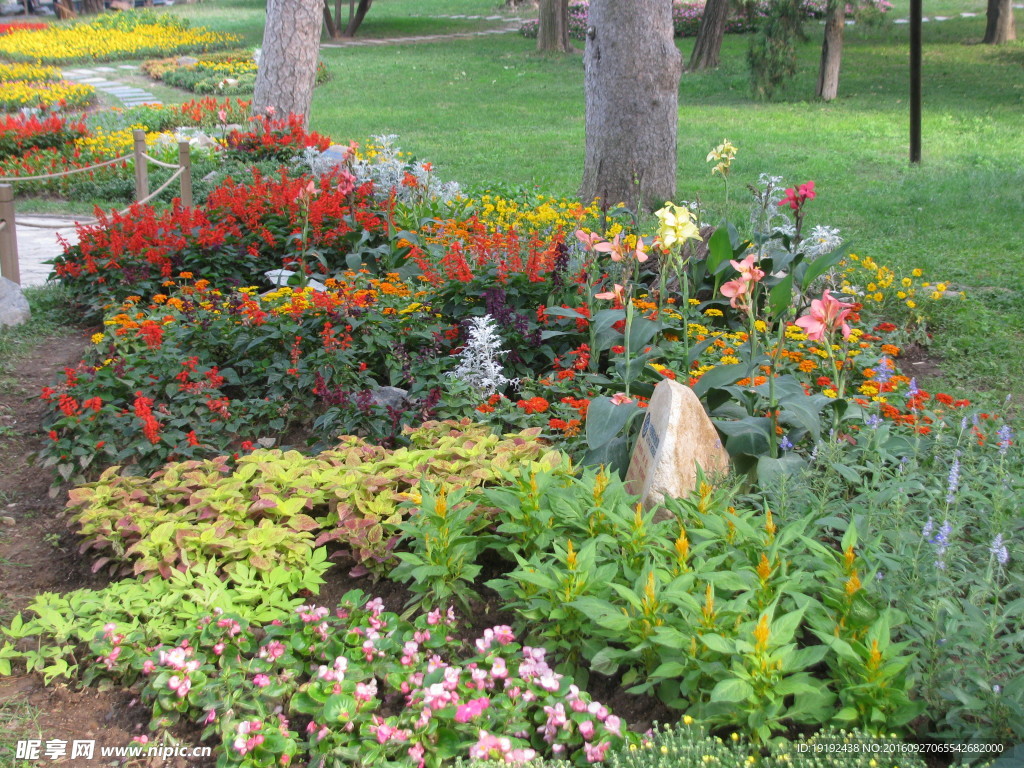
(675, 437)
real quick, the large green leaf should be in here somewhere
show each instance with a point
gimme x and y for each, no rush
(781, 296)
(719, 250)
(770, 470)
(719, 376)
(733, 690)
(747, 436)
(605, 420)
(641, 331)
(807, 273)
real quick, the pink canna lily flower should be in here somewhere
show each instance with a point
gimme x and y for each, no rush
(826, 315)
(748, 269)
(615, 293)
(738, 292)
(589, 239)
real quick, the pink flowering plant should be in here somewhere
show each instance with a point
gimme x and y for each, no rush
(360, 684)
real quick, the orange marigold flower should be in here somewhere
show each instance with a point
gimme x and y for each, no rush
(533, 405)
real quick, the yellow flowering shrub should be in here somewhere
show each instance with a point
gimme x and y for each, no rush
(27, 73)
(115, 36)
(104, 145)
(543, 214)
(43, 95)
(884, 291)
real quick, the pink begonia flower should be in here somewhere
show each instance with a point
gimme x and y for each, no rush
(596, 753)
(621, 398)
(261, 681)
(826, 315)
(503, 634)
(615, 293)
(587, 729)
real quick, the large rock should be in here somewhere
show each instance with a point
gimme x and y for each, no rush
(14, 309)
(676, 436)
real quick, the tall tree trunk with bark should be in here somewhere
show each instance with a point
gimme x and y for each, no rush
(287, 69)
(832, 51)
(708, 47)
(553, 29)
(356, 19)
(1000, 27)
(632, 69)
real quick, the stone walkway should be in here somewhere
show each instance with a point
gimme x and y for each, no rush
(104, 79)
(39, 244)
(511, 24)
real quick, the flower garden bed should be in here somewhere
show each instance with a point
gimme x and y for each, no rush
(221, 74)
(29, 86)
(112, 36)
(427, 403)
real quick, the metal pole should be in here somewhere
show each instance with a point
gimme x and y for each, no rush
(8, 236)
(915, 81)
(141, 172)
(185, 161)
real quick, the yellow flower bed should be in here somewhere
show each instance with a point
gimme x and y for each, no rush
(105, 145)
(27, 72)
(230, 68)
(16, 95)
(544, 214)
(118, 36)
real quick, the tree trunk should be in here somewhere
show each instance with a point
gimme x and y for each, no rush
(357, 19)
(708, 46)
(1000, 27)
(287, 69)
(831, 51)
(332, 31)
(553, 31)
(632, 69)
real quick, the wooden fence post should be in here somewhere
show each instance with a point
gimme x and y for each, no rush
(185, 161)
(141, 171)
(8, 236)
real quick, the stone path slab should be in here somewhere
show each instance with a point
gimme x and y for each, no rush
(37, 245)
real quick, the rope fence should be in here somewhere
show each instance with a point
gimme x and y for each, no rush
(8, 234)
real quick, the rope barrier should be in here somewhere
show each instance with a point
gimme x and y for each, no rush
(153, 194)
(51, 226)
(4, 180)
(159, 162)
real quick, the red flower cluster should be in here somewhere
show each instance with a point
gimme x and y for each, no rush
(276, 139)
(21, 26)
(20, 135)
(533, 405)
(143, 408)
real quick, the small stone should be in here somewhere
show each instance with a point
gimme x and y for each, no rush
(187, 61)
(8, 520)
(14, 308)
(266, 442)
(675, 437)
(390, 397)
